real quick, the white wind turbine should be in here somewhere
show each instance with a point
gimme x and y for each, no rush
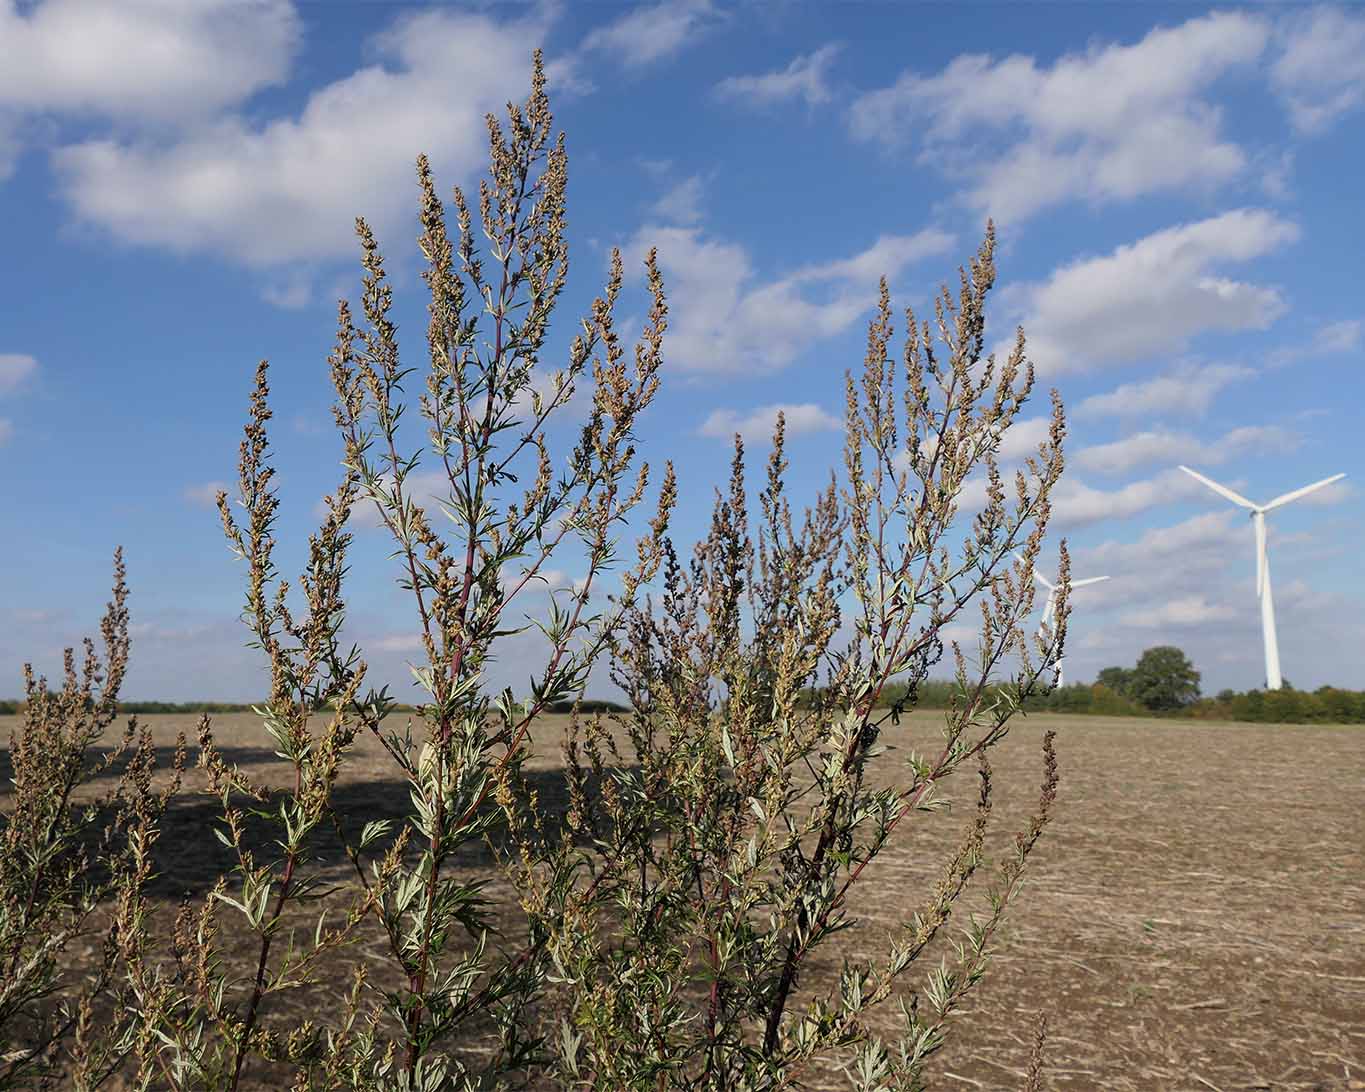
(1050, 607)
(1273, 680)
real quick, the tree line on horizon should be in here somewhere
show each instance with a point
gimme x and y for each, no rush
(1163, 682)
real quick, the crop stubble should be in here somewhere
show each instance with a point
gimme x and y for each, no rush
(1194, 918)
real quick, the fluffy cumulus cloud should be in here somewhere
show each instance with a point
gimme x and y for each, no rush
(757, 425)
(396, 643)
(1155, 586)
(1187, 391)
(513, 575)
(649, 34)
(1202, 540)
(681, 203)
(1076, 504)
(1111, 123)
(142, 60)
(1182, 612)
(1019, 443)
(1192, 584)
(287, 190)
(724, 317)
(1105, 310)
(428, 489)
(805, 78)
(1320, 71)
(1023, 438)
(1167, 446)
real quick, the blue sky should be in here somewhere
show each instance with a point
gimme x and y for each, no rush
(1175, 189)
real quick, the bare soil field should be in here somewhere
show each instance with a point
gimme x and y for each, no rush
(1193, 919)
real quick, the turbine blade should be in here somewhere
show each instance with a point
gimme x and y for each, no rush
(1036, 574)
(1088, 580)
(1287, 497)
(1259, 520)
(1221, 490)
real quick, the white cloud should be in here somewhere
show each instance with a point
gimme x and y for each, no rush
(1338, 337)
(288, 190)
(1277, 174)
(1329, 496)
(1193, 558)
(682, 203)
(15, 368)
(1187, 610)
(143, 60)
(1023, 438)
(1209, 535)
(1075, 504)
(1189, 390)
(661, 169)
(292, 292)
(425, 488)
(886, 257)
(205, 494)
(1332, 339)
(547, 580)
(650, 34)
(1321, 71)
(395, 642)
(723, 319)
(572, 410)
(1195, 579)
(1166, 446)
(1153, 296)
(757, 425)
(1112, 123)
(1019, 443)
(804, 78)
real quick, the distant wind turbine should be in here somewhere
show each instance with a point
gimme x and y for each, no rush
(1273, 681)
(1050, 607)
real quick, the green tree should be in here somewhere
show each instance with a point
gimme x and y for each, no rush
(1117, 679)
(1164, 678)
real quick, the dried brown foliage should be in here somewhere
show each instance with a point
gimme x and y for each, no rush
(710, 846)
(729, 835)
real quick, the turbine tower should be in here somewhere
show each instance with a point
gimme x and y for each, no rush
(1273, 681)
(1050, 606)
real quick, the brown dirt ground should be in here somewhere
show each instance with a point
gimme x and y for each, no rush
(1193, 919)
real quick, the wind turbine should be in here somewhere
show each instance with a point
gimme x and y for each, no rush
(1273, 680)
(1050, 606)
